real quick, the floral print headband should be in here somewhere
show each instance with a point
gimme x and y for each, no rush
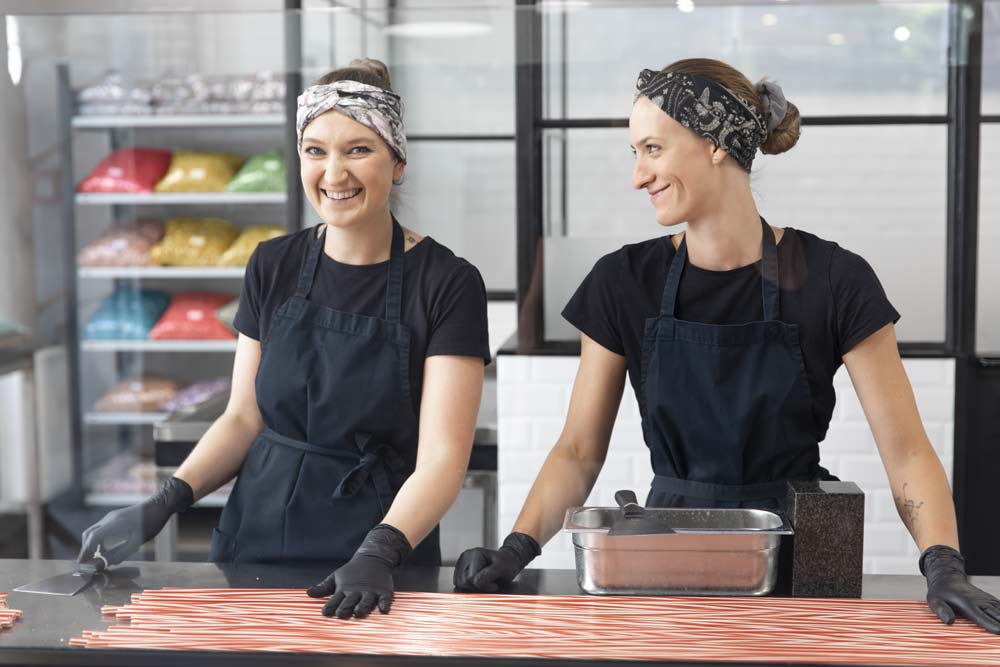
(380, 110)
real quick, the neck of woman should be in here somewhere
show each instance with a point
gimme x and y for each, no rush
(726, 237)
(368, 242)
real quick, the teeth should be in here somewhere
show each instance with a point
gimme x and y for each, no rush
(341, 195)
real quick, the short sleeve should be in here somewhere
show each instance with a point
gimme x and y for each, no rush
(458, 322)
(247, 320)
(861, 305)
(593, 308)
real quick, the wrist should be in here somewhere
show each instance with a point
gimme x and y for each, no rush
(387, 543)
(941, 559)
(175, 494)
(524, 546)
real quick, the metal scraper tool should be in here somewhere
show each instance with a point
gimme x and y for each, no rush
(68, 583)
(635, 520)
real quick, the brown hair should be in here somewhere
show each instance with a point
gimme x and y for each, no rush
(783, 137)
(363, 70)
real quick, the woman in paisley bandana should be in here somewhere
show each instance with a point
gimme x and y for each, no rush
(731, 332)
(357, 379)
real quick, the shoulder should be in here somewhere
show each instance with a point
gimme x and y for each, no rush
(633, 258)
(440, 266)
(843, 268)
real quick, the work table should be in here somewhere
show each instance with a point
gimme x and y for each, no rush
(41, 636)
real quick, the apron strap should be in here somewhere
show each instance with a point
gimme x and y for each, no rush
(769, 273)
(308, 271)
(768, 276)
(394, 286)
(669, 300)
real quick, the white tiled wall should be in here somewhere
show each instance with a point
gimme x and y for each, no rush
(533, 394)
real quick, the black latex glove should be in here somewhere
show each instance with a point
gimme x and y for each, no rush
(486, 570)
(366, 580)
(121, 532)
(949, 592)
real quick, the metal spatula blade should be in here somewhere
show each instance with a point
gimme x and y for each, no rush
(68, 583)
(635, 520)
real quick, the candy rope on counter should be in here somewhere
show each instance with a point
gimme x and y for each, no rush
(875, 632)
(7, 615)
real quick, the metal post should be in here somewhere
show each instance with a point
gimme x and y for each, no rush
(68, 200)
(528, 159)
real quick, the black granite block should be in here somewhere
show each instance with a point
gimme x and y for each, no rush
(826, 551)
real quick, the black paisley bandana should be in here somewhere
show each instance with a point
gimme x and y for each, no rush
(709, 110)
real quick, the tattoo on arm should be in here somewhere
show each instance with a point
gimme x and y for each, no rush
(908, 507)
(411, 239)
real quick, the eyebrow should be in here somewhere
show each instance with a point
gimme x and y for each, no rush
(316, 140)
(644, 140)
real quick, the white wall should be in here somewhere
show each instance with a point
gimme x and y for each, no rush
(533, 395)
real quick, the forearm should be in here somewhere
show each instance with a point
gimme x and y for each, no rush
(564, 481)
(923, 499)
(425, 498)
(219, 454)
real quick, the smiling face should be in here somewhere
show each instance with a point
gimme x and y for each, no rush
(347, 170)
(672, 163)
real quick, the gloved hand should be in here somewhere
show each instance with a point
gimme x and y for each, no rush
(949, 591)
(366, 579)
(121, 532)
(486, 570)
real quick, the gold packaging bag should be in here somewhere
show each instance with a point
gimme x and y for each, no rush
(199, 172)
(193, 242)
(239, 253)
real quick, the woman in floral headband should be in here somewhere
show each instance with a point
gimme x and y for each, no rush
(357, 378)
(731, 333)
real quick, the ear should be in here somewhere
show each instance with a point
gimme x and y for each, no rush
(397, 170)
(718, 154)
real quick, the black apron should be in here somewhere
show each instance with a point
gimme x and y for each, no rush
(726, 409)
(333, 389)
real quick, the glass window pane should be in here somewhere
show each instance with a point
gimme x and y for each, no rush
(991, 58)
(988, 306)
(462, 194)
(831, 59)
(877, 191)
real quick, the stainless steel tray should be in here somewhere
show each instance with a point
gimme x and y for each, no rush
(712, 552)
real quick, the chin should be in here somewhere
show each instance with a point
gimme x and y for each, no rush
(669, 219)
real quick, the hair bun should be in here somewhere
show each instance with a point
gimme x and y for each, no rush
(376, 67)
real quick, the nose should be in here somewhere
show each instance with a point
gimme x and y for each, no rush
(334, 169)
(641, 176)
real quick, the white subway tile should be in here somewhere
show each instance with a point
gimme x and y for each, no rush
(545, 432)
(936, 403)
(865, 471)
(513, 433)
(894, 565)
(885, 539)
(848, 437)
(513, 368)
(555, 369)
(928, 372)
(532, 400)
(885, 506)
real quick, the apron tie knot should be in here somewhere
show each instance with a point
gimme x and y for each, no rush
(377, 460)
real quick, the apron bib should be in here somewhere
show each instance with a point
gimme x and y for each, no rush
(726, 409)
(333, 389)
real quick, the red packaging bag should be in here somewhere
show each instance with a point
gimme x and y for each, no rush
(130, 170)
(191, 316)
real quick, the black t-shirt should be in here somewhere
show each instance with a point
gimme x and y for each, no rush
(444, 297)
(831, 293)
